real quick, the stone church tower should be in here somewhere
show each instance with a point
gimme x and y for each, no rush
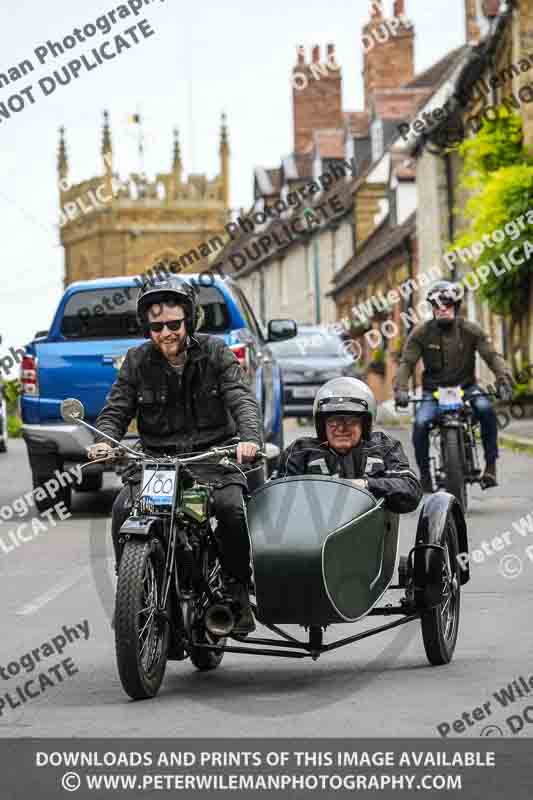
(111, 227)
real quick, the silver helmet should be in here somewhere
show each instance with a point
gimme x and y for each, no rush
(344, 396)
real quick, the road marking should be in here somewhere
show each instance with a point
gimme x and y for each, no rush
(55, 591)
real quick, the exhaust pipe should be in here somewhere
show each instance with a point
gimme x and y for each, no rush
(219, 620)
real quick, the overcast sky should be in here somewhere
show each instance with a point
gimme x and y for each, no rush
(204, 58)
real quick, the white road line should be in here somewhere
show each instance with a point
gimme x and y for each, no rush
(55, 591)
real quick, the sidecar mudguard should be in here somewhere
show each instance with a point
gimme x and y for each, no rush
(323, 550)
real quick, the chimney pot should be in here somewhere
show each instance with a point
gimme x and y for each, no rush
(316, 54)
(301, 54)
(376, 10)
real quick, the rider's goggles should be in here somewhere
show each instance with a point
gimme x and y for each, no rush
(343, 420)
(439, 300)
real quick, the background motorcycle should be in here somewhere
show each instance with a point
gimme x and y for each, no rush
(453, 455)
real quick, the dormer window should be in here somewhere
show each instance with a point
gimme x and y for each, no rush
(376, 139)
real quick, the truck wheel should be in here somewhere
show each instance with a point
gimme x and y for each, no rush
(91, 483)
(64, 494)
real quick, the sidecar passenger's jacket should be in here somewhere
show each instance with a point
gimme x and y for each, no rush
(206, 405)
(381, 460)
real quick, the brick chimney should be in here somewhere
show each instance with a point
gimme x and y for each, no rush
(388, 46)
(478, 13)
(316, 95)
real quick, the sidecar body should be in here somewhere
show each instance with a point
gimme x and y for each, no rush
(323, 550)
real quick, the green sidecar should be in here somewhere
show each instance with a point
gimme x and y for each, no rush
(325, 551)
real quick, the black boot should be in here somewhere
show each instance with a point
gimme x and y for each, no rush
(240, 602)
(488, 479)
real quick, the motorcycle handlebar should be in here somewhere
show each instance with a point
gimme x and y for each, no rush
(117, 453)
(425, 399)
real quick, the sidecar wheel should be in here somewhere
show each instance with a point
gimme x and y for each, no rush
(440, 625)
(141, 638)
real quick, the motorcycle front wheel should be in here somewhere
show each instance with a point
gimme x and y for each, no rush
(440, 625)
(141, 632)
(452, 456)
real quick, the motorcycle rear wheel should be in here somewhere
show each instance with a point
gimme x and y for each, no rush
(452, 454)
(202, 658)
(141, 636)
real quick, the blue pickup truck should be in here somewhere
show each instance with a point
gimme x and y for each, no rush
(94, 326)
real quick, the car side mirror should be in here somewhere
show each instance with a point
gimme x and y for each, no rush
(72, 410)
(280, 329)
(41, 334)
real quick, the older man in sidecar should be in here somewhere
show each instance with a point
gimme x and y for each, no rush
(346, 446)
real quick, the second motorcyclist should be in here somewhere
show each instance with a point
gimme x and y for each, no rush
(447, 345)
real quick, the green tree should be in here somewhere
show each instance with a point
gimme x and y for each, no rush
(498, 173)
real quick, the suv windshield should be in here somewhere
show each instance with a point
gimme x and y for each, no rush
(311, 343)
(111, 314)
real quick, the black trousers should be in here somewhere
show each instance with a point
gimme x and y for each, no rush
(231, 532)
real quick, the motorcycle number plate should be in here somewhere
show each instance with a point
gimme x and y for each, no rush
(450, 397)
(158, 485)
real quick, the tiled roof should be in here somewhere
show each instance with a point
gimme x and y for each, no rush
(380, 243)
(341, 188)
(438, 71)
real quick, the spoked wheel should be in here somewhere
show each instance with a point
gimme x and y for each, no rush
(141, 634)
(452, 455)
(440, 625)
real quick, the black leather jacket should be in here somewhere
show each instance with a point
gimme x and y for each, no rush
(207, 405)
(381, 460)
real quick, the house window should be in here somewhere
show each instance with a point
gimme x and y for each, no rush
(376, 138)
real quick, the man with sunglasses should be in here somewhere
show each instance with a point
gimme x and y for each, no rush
(188, 393)
(447, 345)
(346, 446)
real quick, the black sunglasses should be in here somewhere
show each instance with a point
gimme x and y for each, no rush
(172, 325)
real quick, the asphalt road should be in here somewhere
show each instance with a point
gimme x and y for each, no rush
(381, 687)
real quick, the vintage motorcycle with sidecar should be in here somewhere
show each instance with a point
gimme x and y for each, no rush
(323, 551)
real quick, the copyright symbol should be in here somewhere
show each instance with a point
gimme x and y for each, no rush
(71, 781)
(510, 566)
(491, 730)
(353, 349)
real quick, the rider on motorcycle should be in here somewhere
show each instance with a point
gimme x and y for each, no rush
(188, 394)
(344, 412)
(447, 345)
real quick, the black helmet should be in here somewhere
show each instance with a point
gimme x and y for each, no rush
(173, 288)
(445, 293)
(344, 396)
